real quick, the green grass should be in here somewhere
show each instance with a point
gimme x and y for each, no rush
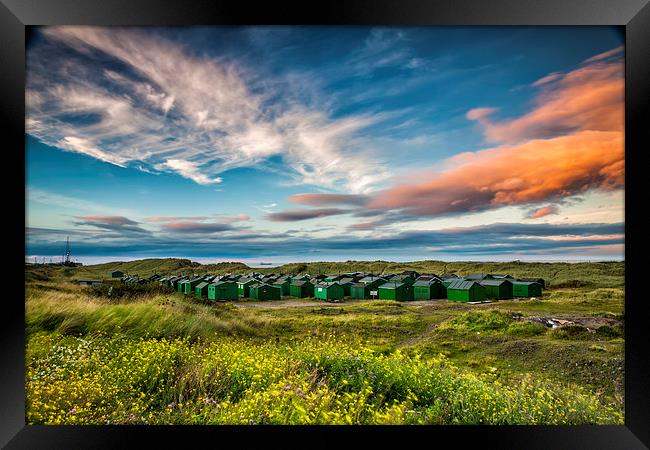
(493, 353)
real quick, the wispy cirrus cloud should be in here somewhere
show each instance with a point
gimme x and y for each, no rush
(170, 109)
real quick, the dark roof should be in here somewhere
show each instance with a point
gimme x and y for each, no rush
(361, 285)
(326, 284)
(531, 279)
(462, 285)
(370, 279)
(448, 275)
(220, 282)
(426, 282)
(501, 275)
(196, 279)
(494, 282)
(525, 282)
(475, 276)
(391, 285)
(346, 280)
(202, 285)
(300, 282)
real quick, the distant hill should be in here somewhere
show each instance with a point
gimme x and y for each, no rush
(594, 274)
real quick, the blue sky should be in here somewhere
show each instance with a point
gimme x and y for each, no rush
(325, 143)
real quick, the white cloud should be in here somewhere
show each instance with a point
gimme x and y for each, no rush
(189, 170)
(178, 111)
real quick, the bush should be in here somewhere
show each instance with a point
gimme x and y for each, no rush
(609, 332)
(573, 332)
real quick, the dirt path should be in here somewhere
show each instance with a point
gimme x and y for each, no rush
(304, 303)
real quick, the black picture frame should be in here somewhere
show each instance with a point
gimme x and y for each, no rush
(16, 16)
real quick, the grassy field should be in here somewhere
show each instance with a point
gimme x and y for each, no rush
(166, 358)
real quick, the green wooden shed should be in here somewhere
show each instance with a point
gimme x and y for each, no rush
(395, 291)
(365, 290)
(346, 283)
(284, 284)
(188, 286)
(526, 289)
(223, 290)
(301, 289)
(497, 289)
(201, 289)
(406, 278)
(541, 281)
(244, 285)
(465, 291)
(427, 289)
(328, 291)
(117, 274)
(261, 291)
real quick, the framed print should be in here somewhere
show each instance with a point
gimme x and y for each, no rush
(367, 220)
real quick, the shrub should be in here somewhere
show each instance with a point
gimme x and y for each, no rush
(570, 332)
(609, 332)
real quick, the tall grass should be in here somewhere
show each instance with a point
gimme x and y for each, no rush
(150, 316)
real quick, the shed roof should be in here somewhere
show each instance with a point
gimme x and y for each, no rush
(391, 285)
(426, 282)
(476, 276)
(528, 283)
(326, 284)
(494, 282)
(300, 282)
(202, 285)
(461, 285)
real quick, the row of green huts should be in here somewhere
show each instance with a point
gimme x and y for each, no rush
(406, 286)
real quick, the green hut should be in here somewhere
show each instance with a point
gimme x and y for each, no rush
(244, 285)
(405, 278)
(360, 291)
(301, 289)
(395, 291)
(427, 289)
(534, 280)
(190, 285)
(366, 289)
(465, 291)
(201, 289)
(117, 274)
(223, 290)
(328, 291)
(284, 284)
(526, 289)
(261, 291)
(497, 289)
(346, 283)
